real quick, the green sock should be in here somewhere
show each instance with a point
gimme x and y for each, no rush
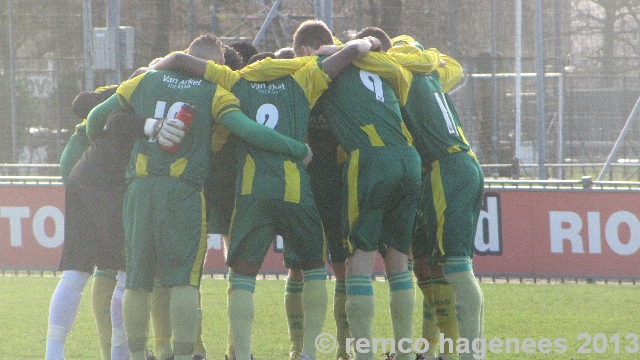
(360, 310)
(161, 321)
(185, 315)
(294, 312)
(199, 346)
(340, 316)
(314, 304)
(401, 303)
(445, 310)
(241, 312)
(135, 314)
(104, 281)
(469, 300)
(430, 330)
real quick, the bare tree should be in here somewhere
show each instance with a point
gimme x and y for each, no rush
(607, 28)
(163, 18)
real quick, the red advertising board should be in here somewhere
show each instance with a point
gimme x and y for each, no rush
(541, 233)
(581, 233)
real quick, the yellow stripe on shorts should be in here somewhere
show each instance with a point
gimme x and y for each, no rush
(196, 270)
(353, 207)
(292, 182)
(439, 202)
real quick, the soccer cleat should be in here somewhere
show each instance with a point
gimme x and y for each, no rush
(445, 357)
(425, 357)
(389, 356)
(234, 358)
(198, 357)
(295, 355)
(149, 356)
(304, 357)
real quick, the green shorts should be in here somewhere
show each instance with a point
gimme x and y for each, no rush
(219, 188)
(165, 232)
(382, 188)
(326, 183)
(258, 219)
(449, 209)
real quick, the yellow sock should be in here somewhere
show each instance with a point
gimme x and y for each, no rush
(161, 321)
(340, 317)
(469, 299)
(135, 314)
(445, 310)
(401, 303)
(231, 351)
(360, 310)
(241, 312)
(430, 330)
(185, 318)
(314, 304)
(104, 281)
(294, 312)
(199, 346)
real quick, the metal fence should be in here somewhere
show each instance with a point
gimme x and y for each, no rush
(586, 104)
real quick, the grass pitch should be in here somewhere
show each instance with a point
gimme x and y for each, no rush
(544, 321)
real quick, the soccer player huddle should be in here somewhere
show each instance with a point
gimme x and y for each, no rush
(341, 149)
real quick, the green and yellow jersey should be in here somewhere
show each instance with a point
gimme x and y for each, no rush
(428, 113)
(362, 105)
(160, 94)
(278, 94)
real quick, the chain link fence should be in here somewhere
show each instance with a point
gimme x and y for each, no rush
(586, 103)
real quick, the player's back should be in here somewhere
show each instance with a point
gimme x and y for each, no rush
(363, 110)
(160, 94)
(432, 119)
(282, 105)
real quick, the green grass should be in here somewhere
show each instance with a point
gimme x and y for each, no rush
(511, 311)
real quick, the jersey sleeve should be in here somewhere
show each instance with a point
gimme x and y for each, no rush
(223, 102)
(97, 118)
(220, 74)
(450, 74)
(313, 81)
(413, 59)
(385, 66)
(270, 69)
(262, 136)
(126, 89)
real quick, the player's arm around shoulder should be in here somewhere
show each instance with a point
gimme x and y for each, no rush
(98, 116)
(416, 60)
(385, 66)
(196, 67)
(449, 72)
(351, 51)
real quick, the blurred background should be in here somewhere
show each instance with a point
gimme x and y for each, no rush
(550, 91)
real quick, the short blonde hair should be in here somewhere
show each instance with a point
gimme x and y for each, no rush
(206, 47)
(311, 33)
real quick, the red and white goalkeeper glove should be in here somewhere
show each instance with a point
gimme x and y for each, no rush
(167, 131)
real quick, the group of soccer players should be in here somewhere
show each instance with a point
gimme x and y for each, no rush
(356, 148)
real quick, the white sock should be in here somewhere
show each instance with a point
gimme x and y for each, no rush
(119, 349)
(62, 311)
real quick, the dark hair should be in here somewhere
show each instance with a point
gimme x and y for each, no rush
(260, 56)
(245, 49)
(87, 100)
(376, 33)
(312, 33)
(232, 58)
(285, 53)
